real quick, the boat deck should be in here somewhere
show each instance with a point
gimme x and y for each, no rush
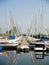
(8, 44)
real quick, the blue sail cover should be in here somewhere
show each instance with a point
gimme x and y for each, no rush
(12, 37)
(1, 48)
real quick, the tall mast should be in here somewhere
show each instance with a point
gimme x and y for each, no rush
(35, 24)
(41, 20)
(29, 30)
(38, 22)
(12, 23)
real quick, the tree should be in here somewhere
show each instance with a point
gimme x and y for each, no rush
(0, 30)
(6, 31)
(10, 32)
(14, 30)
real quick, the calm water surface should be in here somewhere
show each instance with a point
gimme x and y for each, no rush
(31, 58)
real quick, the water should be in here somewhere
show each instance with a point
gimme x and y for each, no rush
(31, 58)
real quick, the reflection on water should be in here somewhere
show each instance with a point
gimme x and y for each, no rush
(8, 57)
(40, 58)
(12, 57)
(24, 59)
(31, 58)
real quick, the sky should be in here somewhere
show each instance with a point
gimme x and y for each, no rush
(23, 12)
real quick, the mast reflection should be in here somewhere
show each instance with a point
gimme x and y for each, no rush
(38, 58)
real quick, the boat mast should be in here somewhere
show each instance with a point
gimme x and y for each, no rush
(38, 22)
(12, 23)
(35, 24)
(41, 20)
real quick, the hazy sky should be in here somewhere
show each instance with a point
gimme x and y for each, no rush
(23, 12)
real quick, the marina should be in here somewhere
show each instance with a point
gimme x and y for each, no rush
(25, 45)
(24, 32)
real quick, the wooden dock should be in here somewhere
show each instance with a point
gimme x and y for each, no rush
(24, 46)
(23, 43)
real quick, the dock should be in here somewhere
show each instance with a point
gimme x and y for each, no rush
(24, 46)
